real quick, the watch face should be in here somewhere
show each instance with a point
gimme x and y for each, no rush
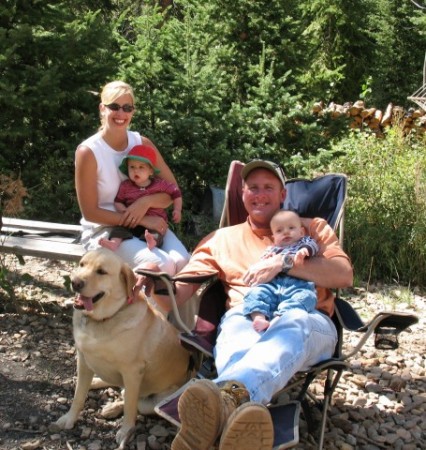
(287, 261)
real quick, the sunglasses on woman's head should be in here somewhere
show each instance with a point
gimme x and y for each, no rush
(116, 107)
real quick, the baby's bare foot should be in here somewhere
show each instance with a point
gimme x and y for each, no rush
(150, 240)
(260, 324)
(107, 243)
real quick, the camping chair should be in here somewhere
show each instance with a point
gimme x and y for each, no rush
(325, 197)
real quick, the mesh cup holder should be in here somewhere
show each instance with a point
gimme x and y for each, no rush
(386, 338)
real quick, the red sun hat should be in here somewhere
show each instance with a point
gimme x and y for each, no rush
(141, 153)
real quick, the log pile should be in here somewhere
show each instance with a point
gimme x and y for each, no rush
(361, 117)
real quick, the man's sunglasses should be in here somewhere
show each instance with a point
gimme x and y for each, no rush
(116, 107)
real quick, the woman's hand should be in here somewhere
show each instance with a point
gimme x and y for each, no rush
(263, 271)
(155, 223)
(135, 213)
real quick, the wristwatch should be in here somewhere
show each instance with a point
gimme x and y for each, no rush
(287, 263)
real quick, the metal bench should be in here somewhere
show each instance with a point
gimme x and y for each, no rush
(41, 239)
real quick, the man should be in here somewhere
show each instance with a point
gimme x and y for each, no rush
(253, 366)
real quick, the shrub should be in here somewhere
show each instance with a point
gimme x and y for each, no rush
(386, 210)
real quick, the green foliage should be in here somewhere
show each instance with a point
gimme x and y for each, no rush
(211, 91)
(166, 59)
(6, 285)
(397, 31)
(386, 210)
(337, 48)
(50, 62)
(217, 81)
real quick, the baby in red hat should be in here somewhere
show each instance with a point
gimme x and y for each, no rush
(140, 167)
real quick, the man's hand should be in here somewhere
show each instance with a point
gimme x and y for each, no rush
(263, 271)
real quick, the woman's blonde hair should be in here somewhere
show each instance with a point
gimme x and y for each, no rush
(111, 91)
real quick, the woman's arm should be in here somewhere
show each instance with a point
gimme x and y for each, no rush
(87, 190)
(165, 172)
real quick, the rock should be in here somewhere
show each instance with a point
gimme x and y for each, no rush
(32, 445)
(112, 410)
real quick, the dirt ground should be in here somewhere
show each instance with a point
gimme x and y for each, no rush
(379, 403)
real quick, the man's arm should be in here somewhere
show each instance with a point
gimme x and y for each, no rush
(335, 272)
(331, 269)
(331, 273)
(202, 263)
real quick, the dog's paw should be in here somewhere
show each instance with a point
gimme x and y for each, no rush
(124, 434)
(65, 422)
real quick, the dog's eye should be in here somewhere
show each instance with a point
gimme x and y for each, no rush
(101, 272)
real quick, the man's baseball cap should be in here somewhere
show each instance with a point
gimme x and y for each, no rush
(276, 169)
(141, 153)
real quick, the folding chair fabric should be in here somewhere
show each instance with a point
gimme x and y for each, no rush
(324, 197)
(234, 211)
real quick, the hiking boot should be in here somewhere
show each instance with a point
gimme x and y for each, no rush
(204, 408)
(249, 427)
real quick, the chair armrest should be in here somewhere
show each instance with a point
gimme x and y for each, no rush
(164, 284)
(348, 317)
(195, 342)
(386, 325)
(164, 276)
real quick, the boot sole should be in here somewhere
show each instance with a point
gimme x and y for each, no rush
(249, 427)
(199, 410)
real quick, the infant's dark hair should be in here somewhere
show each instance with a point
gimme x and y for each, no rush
(281, 211)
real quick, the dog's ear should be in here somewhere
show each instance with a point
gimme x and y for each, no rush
(129, 278)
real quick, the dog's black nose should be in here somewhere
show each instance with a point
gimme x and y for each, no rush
(77, 284)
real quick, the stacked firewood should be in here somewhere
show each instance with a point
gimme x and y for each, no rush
(361, 117)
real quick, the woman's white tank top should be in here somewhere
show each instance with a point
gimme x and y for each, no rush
(108, 175)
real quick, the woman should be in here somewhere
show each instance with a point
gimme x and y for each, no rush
(97, 179)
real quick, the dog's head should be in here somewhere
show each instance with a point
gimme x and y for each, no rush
(103, 283)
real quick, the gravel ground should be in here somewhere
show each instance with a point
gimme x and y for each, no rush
(380, 403)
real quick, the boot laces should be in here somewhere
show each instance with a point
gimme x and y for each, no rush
(236, 391)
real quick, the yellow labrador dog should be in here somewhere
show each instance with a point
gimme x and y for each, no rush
(122, 339)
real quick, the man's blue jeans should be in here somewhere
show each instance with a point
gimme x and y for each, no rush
(265, 362)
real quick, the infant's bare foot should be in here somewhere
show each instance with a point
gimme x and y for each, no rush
(150, 240)
(111, 245)
(260, 324)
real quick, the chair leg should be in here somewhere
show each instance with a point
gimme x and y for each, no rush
(305, 404)
(333, 377)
